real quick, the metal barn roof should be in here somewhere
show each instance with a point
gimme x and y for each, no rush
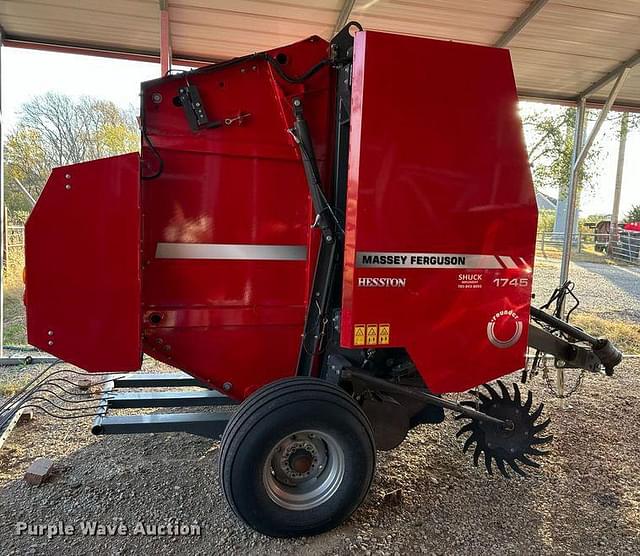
(561, 49)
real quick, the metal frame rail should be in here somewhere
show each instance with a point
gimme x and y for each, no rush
(210, 424)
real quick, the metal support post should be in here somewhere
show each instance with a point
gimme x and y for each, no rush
(578, 136)
(579, 155)
(577, 165)
(165, 38)
(574, 178)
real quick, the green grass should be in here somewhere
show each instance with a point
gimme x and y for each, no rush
(15, 332)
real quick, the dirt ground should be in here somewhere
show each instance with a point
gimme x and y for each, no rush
(585, 499)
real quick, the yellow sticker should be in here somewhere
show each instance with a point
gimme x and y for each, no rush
(358, 335)
(372, 334)
(383, 334)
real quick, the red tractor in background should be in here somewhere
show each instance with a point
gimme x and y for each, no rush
(331, 235)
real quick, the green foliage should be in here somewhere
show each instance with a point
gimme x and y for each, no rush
(54, 130)
(546, 220)
(549, 135)
(633, 215)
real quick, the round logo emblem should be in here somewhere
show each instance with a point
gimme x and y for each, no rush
(504, 329)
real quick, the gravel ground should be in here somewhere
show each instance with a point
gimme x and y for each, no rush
(608, 291)
(584, 500)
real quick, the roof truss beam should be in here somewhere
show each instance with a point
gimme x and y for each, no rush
(520, 23)
(345, 14)
(613, 74)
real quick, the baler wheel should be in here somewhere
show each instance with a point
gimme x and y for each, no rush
(297, 458)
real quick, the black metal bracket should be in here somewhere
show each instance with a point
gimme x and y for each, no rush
(191, 102)
(567, 354)
(210, 424)
(326, 290)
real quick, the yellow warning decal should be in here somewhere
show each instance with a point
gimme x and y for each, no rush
(383, 334)
(372, 334)
(358, 335)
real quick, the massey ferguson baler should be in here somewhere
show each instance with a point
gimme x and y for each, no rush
(331, 235)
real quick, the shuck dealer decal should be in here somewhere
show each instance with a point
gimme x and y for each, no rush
(504, 329)
(425, 260)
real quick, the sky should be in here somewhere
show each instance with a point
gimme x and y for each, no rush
(27, 73)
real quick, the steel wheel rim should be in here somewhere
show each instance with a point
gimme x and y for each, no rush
(304, 470)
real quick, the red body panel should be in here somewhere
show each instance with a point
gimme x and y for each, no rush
(438, 166)
(234, 323)
(223, 248)
(83, 265)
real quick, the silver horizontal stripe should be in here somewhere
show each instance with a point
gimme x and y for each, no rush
(424, 260)
(508, 262)
(231, 251)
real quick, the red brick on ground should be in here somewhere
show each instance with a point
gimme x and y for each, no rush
(39, 471)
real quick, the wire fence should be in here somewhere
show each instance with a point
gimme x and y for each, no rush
(625, 247)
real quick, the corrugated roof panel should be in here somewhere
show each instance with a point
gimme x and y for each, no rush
(625, 7)
(118, 24)
(508, 8)
(299, 12)
(223, 29)
(451, 20)
(587, 20)
(567, 46)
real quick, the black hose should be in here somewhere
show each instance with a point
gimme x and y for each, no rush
(157, 155)
(293, 79)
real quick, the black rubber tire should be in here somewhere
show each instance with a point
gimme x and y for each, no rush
(262, 420)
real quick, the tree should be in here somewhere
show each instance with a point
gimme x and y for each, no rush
(633, 215)
(549, 134)
(55, 130)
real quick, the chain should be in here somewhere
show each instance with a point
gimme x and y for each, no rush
(539, 363)
(550, 387)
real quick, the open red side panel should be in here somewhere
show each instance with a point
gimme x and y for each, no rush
(441, 213)
(83, 265)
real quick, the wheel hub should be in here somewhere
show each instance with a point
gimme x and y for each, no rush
(304, 470)
(299, 457)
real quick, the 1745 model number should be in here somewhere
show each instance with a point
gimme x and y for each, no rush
(518, 282)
